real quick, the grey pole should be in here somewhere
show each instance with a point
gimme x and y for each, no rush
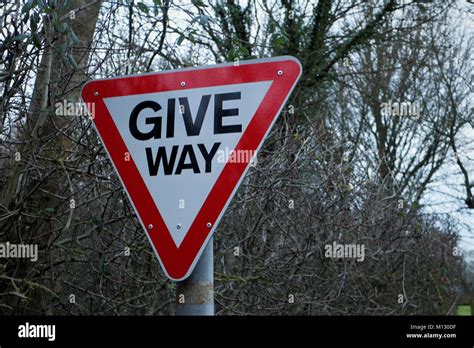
(195, 295)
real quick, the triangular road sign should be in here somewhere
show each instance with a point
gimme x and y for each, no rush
(182, 140)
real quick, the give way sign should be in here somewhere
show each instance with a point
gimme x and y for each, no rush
(182, 140)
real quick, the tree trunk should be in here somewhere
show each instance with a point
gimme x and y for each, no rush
(43, 145)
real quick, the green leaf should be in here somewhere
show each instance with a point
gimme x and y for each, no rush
(20, 37)
(63, 49)
(65, 28)
(244, 51)
(72, 61)
(57, 23)
(180, 40)
(204, 19)
(36, 17)
(233, 54)
(198, 3)
(41, 4)
(64, 298)
(157, 2)
(36, 40)
(74, 38)
(142, 7)
(101, 264)
(33, 24)
(96, 221)
(156, 9)
(280, 41)
(27, 7)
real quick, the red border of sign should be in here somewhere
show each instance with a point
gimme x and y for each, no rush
(178, 263)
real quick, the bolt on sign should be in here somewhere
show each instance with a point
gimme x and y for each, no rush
(168, 135)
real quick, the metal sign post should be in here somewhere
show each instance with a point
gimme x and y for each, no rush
(195, 295)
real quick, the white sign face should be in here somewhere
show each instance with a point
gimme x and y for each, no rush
(189, 146)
